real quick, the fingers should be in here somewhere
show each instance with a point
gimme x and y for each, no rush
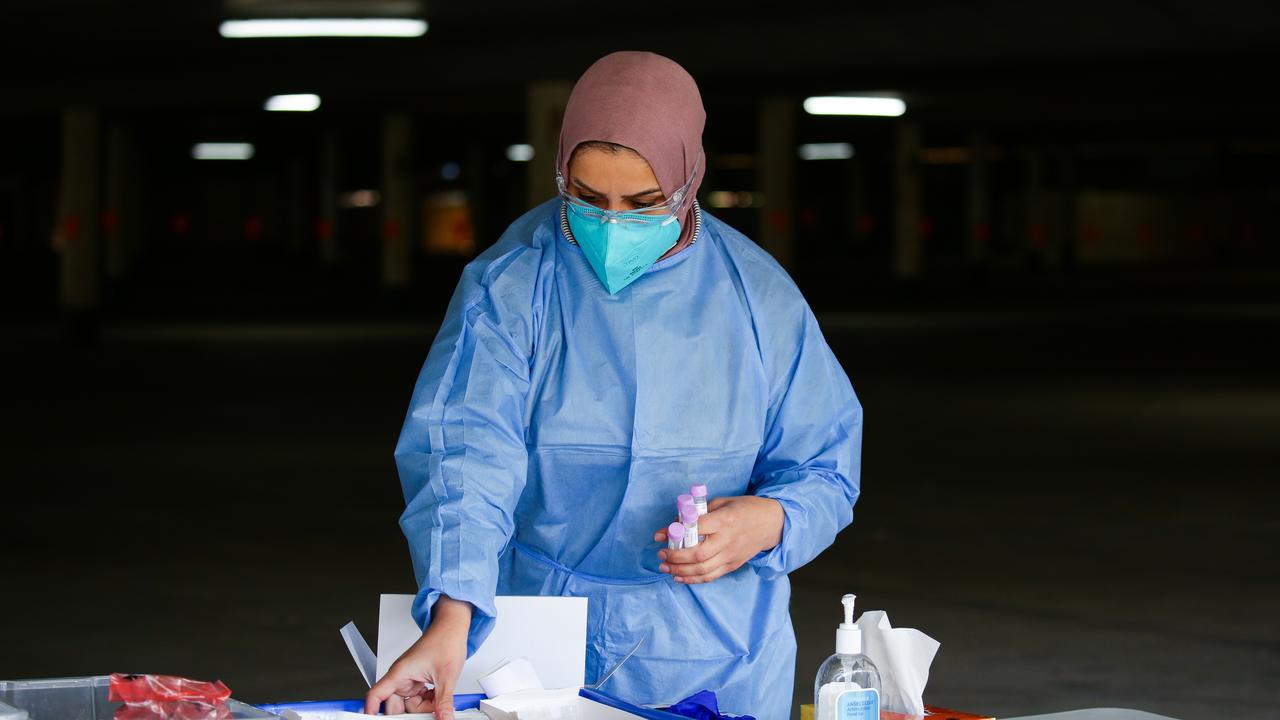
(715, 573)
(696, 561)
(424, 702)
(713, 522)
(717, 503)
(709, 570)
(391, 691)
(414, 700)
(444, 695)
(383, 689)
(709, 547)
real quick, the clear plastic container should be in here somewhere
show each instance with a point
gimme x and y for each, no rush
(82, 698)
(845, 674)
(9, 712)
(848, 684)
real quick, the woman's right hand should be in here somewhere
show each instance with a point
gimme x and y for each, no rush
(436, 658)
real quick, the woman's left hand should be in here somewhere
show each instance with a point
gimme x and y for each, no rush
(733, 531)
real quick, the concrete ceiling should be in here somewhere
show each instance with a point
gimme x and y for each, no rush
(989, 57)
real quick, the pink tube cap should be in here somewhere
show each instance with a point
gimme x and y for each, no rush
(683, 500)
(675, 531)
(698, 490)
(688, 514)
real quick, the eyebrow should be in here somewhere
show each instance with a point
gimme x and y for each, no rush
(583, 186)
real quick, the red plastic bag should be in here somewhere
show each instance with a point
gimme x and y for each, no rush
(172, 710)
(165, 697)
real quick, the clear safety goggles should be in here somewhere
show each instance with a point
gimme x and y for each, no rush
(664, 213)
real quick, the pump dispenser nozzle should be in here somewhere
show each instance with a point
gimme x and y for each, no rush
(848, 683)
(848, 635)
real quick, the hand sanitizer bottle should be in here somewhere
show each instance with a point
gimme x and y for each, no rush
(848, 684)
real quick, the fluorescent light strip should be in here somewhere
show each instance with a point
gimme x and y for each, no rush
(359, 199)
(520, 152)
(323, 27)
(292, 103)
(850, 105)
(222, 151)
(825, 151)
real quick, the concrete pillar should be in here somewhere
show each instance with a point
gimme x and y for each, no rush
(327, 227)
(544, 109)
(397, 201)
(907, 249)
(295, 210)
(1041, 231)
(859, 205)
(1066, 208)
(11, 235)
(1033, 171)
(776, 177)
(122, 212)
(979, 205)
(76, 234)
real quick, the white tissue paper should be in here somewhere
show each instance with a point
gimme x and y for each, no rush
(533, 705)
(903, 656)
(510, 676)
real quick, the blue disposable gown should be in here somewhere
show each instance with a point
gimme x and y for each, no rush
(554, 424)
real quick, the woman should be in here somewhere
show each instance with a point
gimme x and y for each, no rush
(577, 387)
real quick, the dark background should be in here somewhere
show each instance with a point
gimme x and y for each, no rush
(1072, 397)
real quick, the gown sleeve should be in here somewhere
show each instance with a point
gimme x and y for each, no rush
(462, 458)
(810, 460)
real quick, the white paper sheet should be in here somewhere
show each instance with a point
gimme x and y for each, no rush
(526, 704)
(579, 708)
(551, 632)
(360, 652)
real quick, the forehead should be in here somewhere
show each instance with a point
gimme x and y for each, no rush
(624, 167)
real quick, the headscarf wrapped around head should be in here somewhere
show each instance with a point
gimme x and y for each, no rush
(648, 103)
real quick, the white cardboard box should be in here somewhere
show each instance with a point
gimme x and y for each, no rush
(551, 632)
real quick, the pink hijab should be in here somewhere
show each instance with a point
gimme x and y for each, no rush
(648, 103)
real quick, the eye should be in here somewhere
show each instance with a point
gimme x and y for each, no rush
(649, 202)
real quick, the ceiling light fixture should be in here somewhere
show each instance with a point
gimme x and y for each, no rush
(854, 105)
(222, 151)
(323, 27)
(292, 103)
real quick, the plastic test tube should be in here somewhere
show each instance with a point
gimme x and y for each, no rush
(689, 516)
(683, 500)
(675, 536)
(699, 494)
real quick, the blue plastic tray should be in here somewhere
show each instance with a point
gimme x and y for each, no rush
(468, 702)
(461, 702)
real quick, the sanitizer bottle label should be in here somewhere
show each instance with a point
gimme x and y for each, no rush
(861, 704)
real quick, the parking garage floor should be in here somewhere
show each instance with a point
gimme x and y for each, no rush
(1079, 503)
